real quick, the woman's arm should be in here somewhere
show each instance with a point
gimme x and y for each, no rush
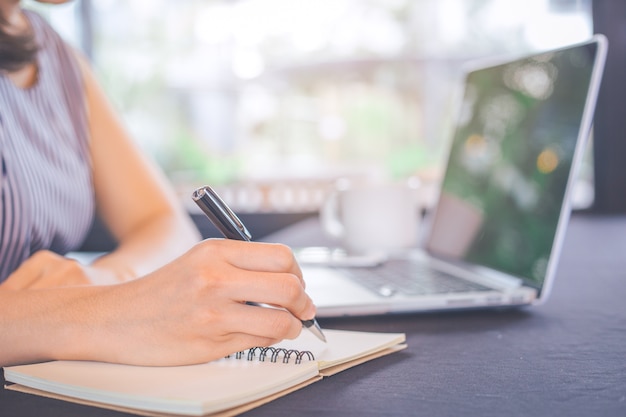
(133, 197)
(191, 310)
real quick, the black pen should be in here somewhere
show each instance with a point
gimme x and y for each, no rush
(231, 227)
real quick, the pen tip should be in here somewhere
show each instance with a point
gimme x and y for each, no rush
(315, 328)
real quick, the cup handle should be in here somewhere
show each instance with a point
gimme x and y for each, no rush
(329, 216)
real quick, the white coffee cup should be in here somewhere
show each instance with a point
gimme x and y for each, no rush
(368, 217)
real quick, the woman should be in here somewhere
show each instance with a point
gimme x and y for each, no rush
(64, 156)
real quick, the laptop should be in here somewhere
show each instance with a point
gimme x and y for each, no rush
(494, 236)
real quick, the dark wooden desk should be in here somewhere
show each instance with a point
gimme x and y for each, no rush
(564, 358)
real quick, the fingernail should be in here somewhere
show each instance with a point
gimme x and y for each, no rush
(310, 312)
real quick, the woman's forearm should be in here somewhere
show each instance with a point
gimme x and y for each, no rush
(188, 311)
(47, 324)
(151, 246)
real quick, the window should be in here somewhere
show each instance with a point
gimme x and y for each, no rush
(272, 100)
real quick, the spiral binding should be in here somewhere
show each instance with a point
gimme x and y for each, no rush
(274, 354)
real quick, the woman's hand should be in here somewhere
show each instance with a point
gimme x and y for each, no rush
(45, 269)
(193, 309)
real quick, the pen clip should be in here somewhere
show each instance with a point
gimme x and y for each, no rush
(220, 214)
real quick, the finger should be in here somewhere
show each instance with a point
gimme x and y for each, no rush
(57, 271)
(27, 273)
(278, 289)
(256, 256)
(18, 280)
(261, 322)
(45, 269)
(64, 276)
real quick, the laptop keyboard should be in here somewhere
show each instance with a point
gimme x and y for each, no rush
(401, 276)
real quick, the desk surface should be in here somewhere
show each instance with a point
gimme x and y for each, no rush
(564, 358)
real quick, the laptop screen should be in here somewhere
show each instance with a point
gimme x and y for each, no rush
(510, 162)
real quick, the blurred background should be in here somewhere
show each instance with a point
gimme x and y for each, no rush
(271, 101)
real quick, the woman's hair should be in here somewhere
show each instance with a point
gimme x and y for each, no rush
(15, 50)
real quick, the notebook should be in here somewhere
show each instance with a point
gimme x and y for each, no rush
(223, 387)
(494, 237)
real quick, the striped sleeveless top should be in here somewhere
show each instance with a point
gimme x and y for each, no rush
(46, 190)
